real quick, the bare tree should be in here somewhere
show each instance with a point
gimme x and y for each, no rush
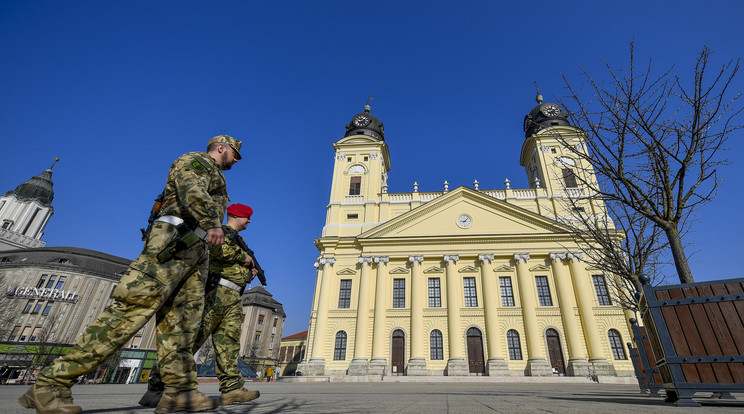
(655, 143)
(621, 243)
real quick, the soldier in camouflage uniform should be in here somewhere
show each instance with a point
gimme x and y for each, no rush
(166, 280)
(230, 271)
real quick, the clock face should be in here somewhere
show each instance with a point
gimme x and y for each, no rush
(361, 121)
(550, 110)
(464, 221)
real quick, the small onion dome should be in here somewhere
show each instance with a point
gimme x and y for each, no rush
(365, 123)
(542, 116)
(38, 187)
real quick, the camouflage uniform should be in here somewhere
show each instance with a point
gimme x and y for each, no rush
(173, 290)
(223, 314)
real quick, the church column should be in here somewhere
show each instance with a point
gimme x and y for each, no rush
(577, 364)
(456, 365)
(379, 340)
(496, 364)
(537, 365)
(417, 363)
(584, 295)
(316, 364)
(358, 365)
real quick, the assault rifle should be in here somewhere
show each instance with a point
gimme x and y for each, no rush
(234, 236)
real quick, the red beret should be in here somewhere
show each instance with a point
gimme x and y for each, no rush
(239, 210)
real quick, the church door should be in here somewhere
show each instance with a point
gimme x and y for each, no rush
(475, 352)
(399, 353)
(555, 352)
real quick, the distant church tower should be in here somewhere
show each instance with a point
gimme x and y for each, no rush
(25, 212)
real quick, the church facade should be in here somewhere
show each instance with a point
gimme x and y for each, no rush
(462, 282)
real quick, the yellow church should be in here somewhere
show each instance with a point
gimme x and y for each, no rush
(465, 281)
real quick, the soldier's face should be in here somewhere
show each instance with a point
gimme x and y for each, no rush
(228, 158)
(242, 223)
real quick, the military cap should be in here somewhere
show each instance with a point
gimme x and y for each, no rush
(239, 210)
(227, 139)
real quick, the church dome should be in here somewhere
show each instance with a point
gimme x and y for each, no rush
(365, 123)
(38, 187)
(542, 116)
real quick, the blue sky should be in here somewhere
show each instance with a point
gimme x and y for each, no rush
(118, 90)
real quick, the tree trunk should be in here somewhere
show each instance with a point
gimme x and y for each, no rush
(678, 252)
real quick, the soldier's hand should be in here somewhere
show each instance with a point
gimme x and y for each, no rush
(254, 272)
(216, 236)
(248, 261)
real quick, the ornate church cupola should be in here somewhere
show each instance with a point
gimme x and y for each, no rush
(544, 115)
(25, 212)
(365, 123)
(38, 188)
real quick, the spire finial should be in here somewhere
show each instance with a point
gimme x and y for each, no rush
(55, 161)
(538, 98)
(367, 106)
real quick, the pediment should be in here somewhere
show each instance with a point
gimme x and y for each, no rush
(489, 216)
(399, 271)
(468, 269)
(539, 268)
(504, 268)
(434, 269)
(346, 271)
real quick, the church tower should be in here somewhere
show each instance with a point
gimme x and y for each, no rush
(25, 212)
(362, 162)
(551, 158)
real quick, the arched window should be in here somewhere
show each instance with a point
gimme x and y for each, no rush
(436, 345)
(616, 343)
(339, 353)
(512, 341)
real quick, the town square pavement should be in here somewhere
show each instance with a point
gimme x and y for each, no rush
(400, 397)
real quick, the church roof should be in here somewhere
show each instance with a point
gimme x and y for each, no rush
(39, 187)
(542, 116)
(364, 123)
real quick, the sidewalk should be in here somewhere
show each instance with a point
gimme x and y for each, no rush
(399, 397)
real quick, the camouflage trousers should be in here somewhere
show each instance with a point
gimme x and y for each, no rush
(172, 291)
(222, 318)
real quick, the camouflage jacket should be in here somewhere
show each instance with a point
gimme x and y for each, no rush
(196, 191)
(228, 259)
